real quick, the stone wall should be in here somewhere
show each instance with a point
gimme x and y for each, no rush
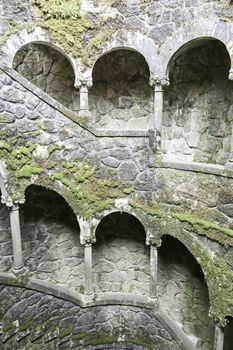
(121, 97)
(183, 292)
(197, 119)
(50, 71)
(120, 256)
(34, 320)
(50, 239)
(43, 143)
(6, 258)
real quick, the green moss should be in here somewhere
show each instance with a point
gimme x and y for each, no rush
(81, 290)
(77, 34)
(42, 126)
(141, 342)
(128, 190)
(202, 227)
(64, 333)
(100, 341)
(79, 336)
(5, 146)
(184, 227)
(53, 148)
(8, 327)
(28, 170)
(25, 325)
(85, 191)
(100, 38)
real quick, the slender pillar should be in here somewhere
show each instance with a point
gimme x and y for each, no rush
(84, 86)
(156, 120)
(88, 270)
(218, 338)
(153, 270)
(229, 163)
(16, 237)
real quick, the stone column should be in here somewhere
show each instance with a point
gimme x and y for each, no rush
(16, 237)
(153, 270)
(229, 163)
(88, 270)
(84, 86)
(156, 121)
(218, 338)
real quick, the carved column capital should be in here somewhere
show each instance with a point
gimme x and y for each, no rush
(7, 201)
(158, 83)
(87, 83)
(89, 241)
(151, 240)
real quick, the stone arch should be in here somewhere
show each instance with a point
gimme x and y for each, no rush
(120, 255)
(196, 124)
(197, 29)
(23, 38)
(121, 96)
(50, 238)
(132, 41)
(48, 67)
(187, 46)
(183, 292)
(228, 334)
(122, 207)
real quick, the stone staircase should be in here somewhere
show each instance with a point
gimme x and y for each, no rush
(15, 337)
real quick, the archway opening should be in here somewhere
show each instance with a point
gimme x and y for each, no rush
(228, 334)
(50, 238)
(183, 292)
(120, 256)
(121, 96)
(198, 104)
(49, 70)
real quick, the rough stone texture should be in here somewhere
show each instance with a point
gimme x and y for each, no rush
(181, 288)
(50, 238)
(197, 108)
(6, 258)
(120, 257)
(197, 126)
(50, 71)
(45, 319)
(121, 97)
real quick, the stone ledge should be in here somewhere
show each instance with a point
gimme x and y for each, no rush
(205, 168)
(103, 299)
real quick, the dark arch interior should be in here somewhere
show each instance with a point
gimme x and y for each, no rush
(45, 204)
(49, 70)
(50, 238)
(120, 256)
(121, 95)
(197, 105)
(228, 335)
(183, 292)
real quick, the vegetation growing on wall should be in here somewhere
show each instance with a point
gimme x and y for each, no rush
(79, 183)
(79, 35)
(184, 227)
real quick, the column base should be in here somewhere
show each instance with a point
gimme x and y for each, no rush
(84, 113)
(153, 300)
(19, 271)
(89, 296)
